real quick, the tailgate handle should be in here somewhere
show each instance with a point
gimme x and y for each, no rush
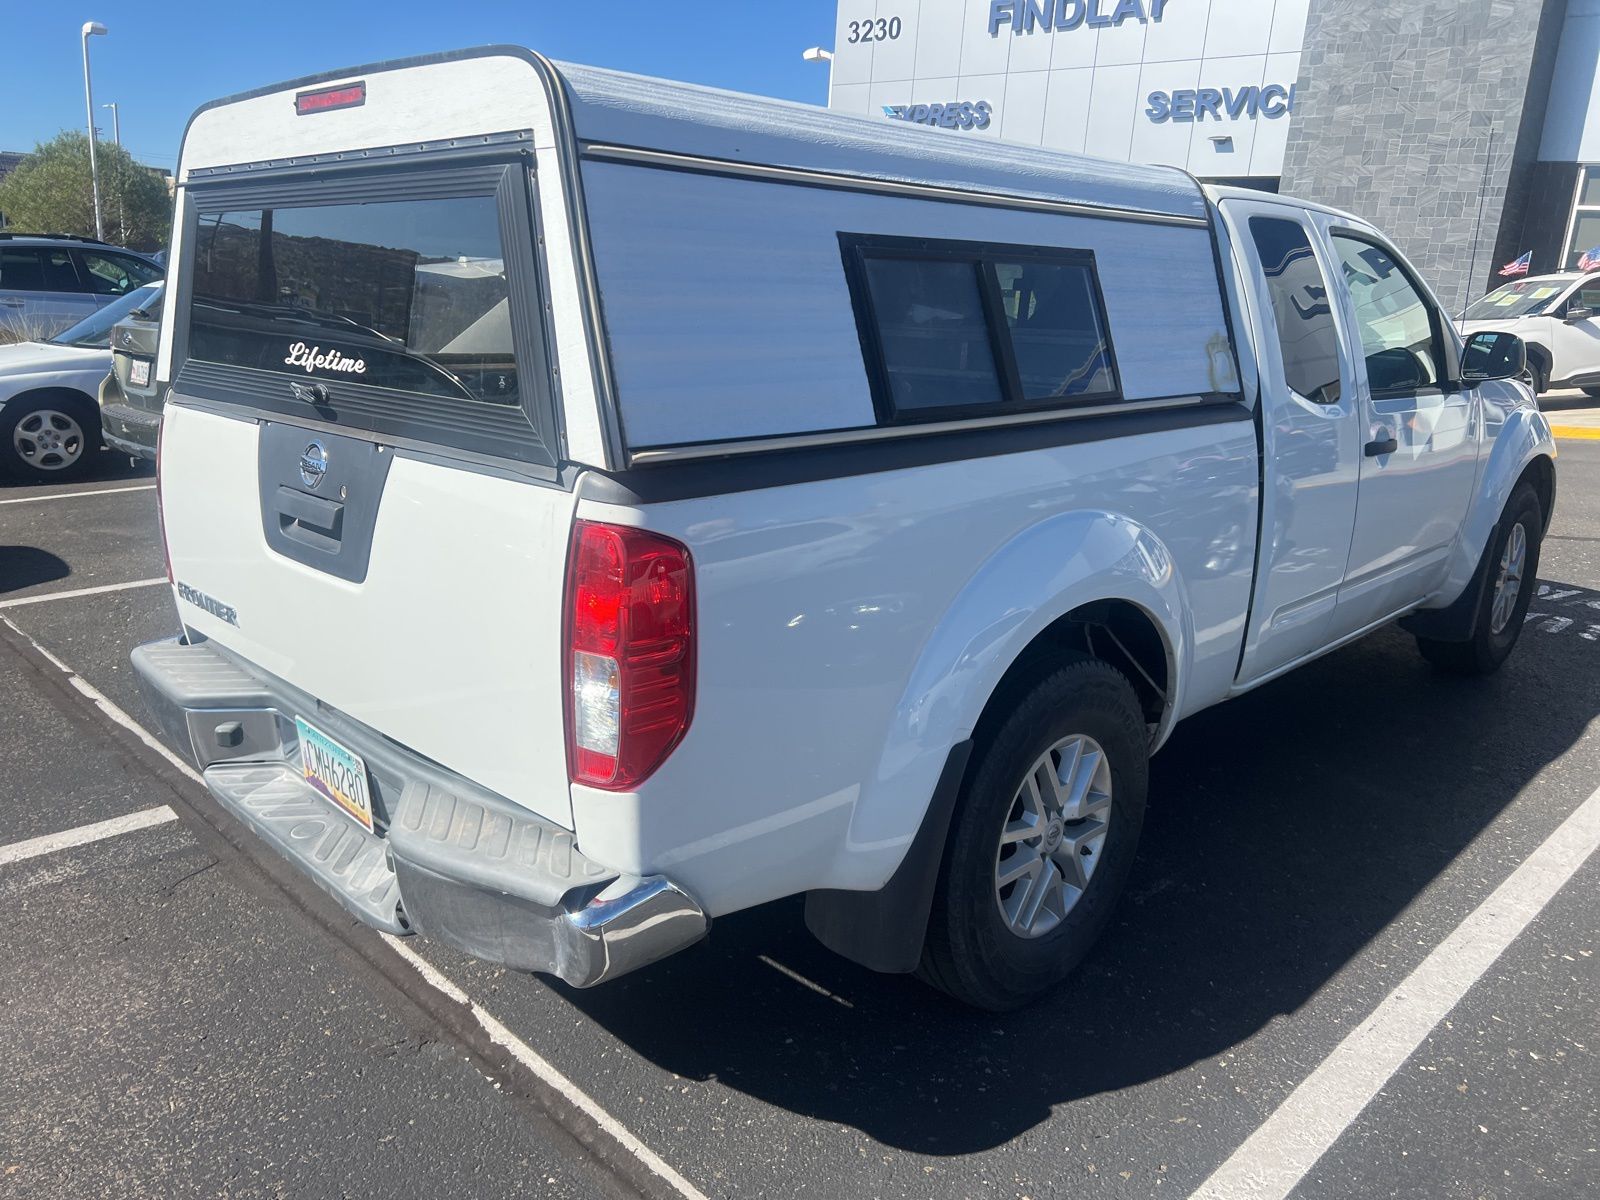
(316, 522)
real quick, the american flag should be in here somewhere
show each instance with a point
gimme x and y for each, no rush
(1590, 260)
(1520, 267)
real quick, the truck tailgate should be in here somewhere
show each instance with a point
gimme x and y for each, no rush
(448, 643)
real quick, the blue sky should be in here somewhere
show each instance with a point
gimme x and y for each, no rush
(163, 60)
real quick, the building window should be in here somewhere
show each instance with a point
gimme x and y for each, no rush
(1585, 234)
(954, 329)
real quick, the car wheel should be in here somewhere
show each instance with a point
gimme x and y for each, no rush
(1512, 576)
(48, 438)
(1042, 840)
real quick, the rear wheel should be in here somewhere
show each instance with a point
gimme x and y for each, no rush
(48, 438)
(1513, 573)
(1042, 840)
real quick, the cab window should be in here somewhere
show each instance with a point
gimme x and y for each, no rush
(1400, 335)
(1587, 296)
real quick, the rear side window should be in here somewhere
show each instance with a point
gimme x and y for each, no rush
(933, 332)
(954, 329)
(1398, 334)
(1057, 335)
(401, 303)
(33, 269)
(1300, 308)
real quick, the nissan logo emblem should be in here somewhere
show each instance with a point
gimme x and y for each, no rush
(314, 464)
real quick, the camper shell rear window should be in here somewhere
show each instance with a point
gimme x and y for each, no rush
(404, 304)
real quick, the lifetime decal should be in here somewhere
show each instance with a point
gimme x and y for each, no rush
(1030, 16)
(312, 358)
(1196, 104)
(962, 114)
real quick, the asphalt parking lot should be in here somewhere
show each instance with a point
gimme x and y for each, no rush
(1327, 864)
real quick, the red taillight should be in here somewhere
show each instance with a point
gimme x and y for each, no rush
(348, 95)
(630, 653)
(161, 512)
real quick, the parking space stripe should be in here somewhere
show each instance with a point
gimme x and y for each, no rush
(83, 835)
(1279, 1154)
(497, 1032)
(548, 1074)
(74, 593)
(143, 487)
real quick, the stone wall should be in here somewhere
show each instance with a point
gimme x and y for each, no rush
(1424, 117)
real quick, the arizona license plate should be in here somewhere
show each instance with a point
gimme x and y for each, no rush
(139, 373)
(337, 773)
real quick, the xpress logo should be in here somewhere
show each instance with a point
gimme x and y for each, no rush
(961, 114)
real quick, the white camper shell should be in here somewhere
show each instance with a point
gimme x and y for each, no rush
(597, 504)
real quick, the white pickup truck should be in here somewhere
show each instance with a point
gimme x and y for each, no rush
(595, 505)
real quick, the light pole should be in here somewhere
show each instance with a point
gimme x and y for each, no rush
(90, 28)
(818, 54)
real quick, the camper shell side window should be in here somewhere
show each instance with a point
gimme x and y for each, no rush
(964, 329)
(399, 303)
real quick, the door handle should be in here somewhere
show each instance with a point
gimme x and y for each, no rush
(1386, 446)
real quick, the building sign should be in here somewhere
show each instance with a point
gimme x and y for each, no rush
(1196, 104)
(1049, 16)
(963, 114)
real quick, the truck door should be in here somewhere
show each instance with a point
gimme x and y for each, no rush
(1309, 435)
(1575, 338)
(1418, 433)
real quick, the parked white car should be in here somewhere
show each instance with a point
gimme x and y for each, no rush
(772, 501)
(49, 393)
(1557, 317)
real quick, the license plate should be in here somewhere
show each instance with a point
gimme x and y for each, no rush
(335, 772)
(139, 373)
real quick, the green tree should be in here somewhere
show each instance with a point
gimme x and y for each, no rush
(50, 192)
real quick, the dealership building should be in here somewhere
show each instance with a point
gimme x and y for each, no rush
(1469, 130)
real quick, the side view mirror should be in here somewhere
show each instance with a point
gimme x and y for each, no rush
(1576, 314)
(1493, 355)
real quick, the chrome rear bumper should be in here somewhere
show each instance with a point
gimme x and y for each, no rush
(446, 858)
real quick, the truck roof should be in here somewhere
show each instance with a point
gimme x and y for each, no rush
(641, 113)
(618, 108)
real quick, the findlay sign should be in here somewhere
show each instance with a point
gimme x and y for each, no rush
(1030, 16)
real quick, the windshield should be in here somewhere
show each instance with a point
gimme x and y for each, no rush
(1520, 299)
(94, 331)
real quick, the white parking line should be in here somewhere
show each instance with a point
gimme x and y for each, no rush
(143, 487)
(83, 835)
(1278, 1155)
(498, 1033)
(74, 593)
(549, 1074)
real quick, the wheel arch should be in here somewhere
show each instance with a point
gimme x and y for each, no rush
(1111, 591)
(60, 393)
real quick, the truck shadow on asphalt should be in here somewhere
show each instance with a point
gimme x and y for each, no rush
(28, 566)
(1285, 831)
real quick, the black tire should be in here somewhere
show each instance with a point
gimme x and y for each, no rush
(1487, 649)
(70, 421)
(1539, 374)
(970, 952)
